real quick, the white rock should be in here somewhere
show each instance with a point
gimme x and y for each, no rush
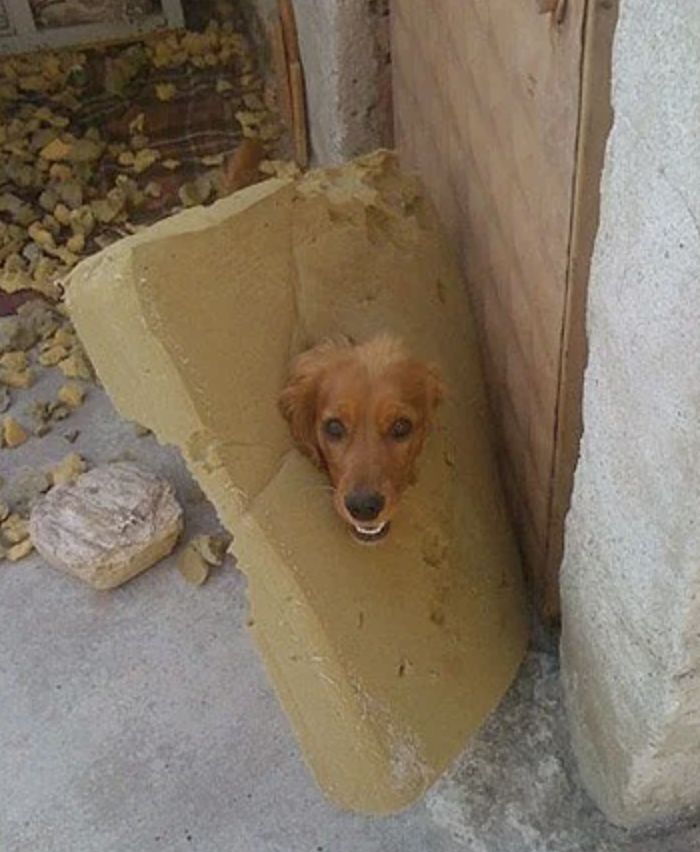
(109, 525)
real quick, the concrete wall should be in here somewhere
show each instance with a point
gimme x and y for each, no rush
(344, 48)
(631, 576)
(346, 56)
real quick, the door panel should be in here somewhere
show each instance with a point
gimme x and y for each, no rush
(487, 98)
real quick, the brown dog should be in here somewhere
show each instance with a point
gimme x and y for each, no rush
(362, 413)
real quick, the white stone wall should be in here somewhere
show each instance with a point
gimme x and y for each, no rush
(341, 44)
(345, 53)
(631, 574)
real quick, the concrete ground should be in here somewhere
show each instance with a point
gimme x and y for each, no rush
(141, 720)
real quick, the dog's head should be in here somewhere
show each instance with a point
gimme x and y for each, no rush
(362, 413)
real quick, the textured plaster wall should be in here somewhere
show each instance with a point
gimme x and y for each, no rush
(345, 52)
(346, 55)
(631, 574)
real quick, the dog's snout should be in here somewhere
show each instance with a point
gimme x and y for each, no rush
(364, 505)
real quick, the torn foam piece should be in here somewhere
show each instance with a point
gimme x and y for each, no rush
(387, 659)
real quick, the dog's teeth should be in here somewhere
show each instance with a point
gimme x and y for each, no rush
(369, 534)
(371, 530)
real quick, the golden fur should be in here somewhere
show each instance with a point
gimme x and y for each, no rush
(362, 412)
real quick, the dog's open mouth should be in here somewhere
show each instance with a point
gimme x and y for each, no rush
(369, 533)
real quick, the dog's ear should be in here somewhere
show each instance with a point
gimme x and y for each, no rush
(435, 387)
(298, 400)
(427, 384)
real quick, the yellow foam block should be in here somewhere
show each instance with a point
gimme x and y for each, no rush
(386, 658)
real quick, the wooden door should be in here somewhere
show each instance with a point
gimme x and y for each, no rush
(493, 104)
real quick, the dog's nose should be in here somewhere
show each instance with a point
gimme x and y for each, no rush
(364, 505)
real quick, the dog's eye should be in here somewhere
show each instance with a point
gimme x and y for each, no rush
(334, 429)
(401, 429)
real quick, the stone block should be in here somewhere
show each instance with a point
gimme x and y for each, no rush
(108, 525)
